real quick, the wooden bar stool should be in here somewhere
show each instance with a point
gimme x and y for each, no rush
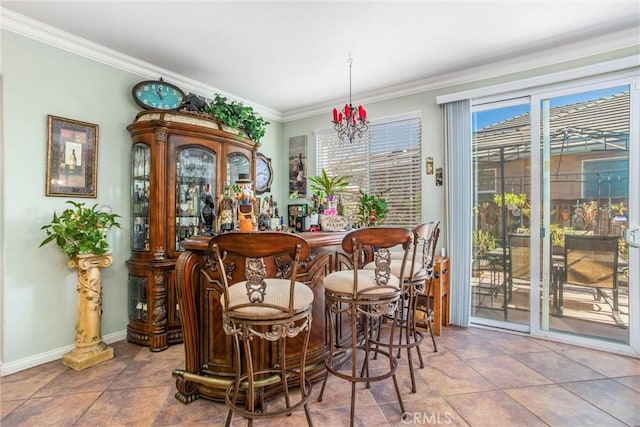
(416, 286)
(263, 300)
(363, 296)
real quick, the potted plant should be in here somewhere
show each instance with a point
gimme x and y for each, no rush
(80, 233)
(372, 209)
(236, 115)
(327, 186)
(80, 230)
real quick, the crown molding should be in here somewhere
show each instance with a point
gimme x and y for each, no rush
(583, 49)
(47, 34)
(55, 37)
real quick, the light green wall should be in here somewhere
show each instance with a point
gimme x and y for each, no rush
(38, 290)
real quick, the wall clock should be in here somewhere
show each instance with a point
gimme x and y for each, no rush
(264, 174)
(158, 95)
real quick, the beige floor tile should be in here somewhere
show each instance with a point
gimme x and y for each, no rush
(136, 407)
(559, 407)
(492, 408)
(515, 344)
(24, 384)
(201, 412)
(506, 372)
(633, 382)
(365, 416)
(453, 378)
(94, 379)
(62, 410)
(607, 364)
(471, 347)
(9, 406)
(556, 367)
(147, 373)
(612, 397)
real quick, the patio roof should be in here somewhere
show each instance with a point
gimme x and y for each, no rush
(594, 125)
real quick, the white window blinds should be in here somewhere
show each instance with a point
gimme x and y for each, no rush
(386, 161)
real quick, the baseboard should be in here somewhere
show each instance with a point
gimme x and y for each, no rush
(39, 359)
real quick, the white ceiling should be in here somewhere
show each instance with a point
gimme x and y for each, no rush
(291, 56)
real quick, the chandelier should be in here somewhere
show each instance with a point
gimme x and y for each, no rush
(350, 122)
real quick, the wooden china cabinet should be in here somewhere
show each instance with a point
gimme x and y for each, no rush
(180, 163)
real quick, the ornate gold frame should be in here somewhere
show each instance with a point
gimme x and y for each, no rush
(72, 158)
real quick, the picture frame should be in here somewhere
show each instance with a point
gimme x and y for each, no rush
(298, 165)
(296, 211)
(72, 158)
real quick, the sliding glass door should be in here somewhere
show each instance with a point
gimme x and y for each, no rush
(552, 204)
(501, 165)
(585, 146)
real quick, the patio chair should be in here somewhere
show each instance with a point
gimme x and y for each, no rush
(519, 267)
(592, 261)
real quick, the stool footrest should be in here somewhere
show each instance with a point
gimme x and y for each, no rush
(239, 408)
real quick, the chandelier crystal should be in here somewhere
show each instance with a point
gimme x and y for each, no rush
(350, 122)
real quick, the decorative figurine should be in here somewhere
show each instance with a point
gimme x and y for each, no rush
(208, 209)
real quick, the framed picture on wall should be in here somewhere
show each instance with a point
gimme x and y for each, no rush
(298, 165)
(72, 158)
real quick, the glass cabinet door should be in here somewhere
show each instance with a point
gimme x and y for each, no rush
(138, 298)
(237, 163)
(140, 164)
(195, 193)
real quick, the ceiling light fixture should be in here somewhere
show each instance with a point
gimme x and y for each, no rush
(350, 122)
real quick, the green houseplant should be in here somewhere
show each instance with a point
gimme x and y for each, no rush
(324, 185)
(372, 209)
(80, 230)
(236, 115)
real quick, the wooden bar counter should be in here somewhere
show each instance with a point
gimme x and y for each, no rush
(209, 351)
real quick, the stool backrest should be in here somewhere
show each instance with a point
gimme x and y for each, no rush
(381, 239)
(254, 257)
(426, 236)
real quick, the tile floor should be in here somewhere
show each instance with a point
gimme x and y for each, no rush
(477, 378)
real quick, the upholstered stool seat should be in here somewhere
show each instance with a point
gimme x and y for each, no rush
(341, 282)
(359, 297)
(277, 294)
(257, 306)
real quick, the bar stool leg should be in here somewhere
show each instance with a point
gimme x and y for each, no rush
(236, 344)
(391, 362)
(332, 347)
